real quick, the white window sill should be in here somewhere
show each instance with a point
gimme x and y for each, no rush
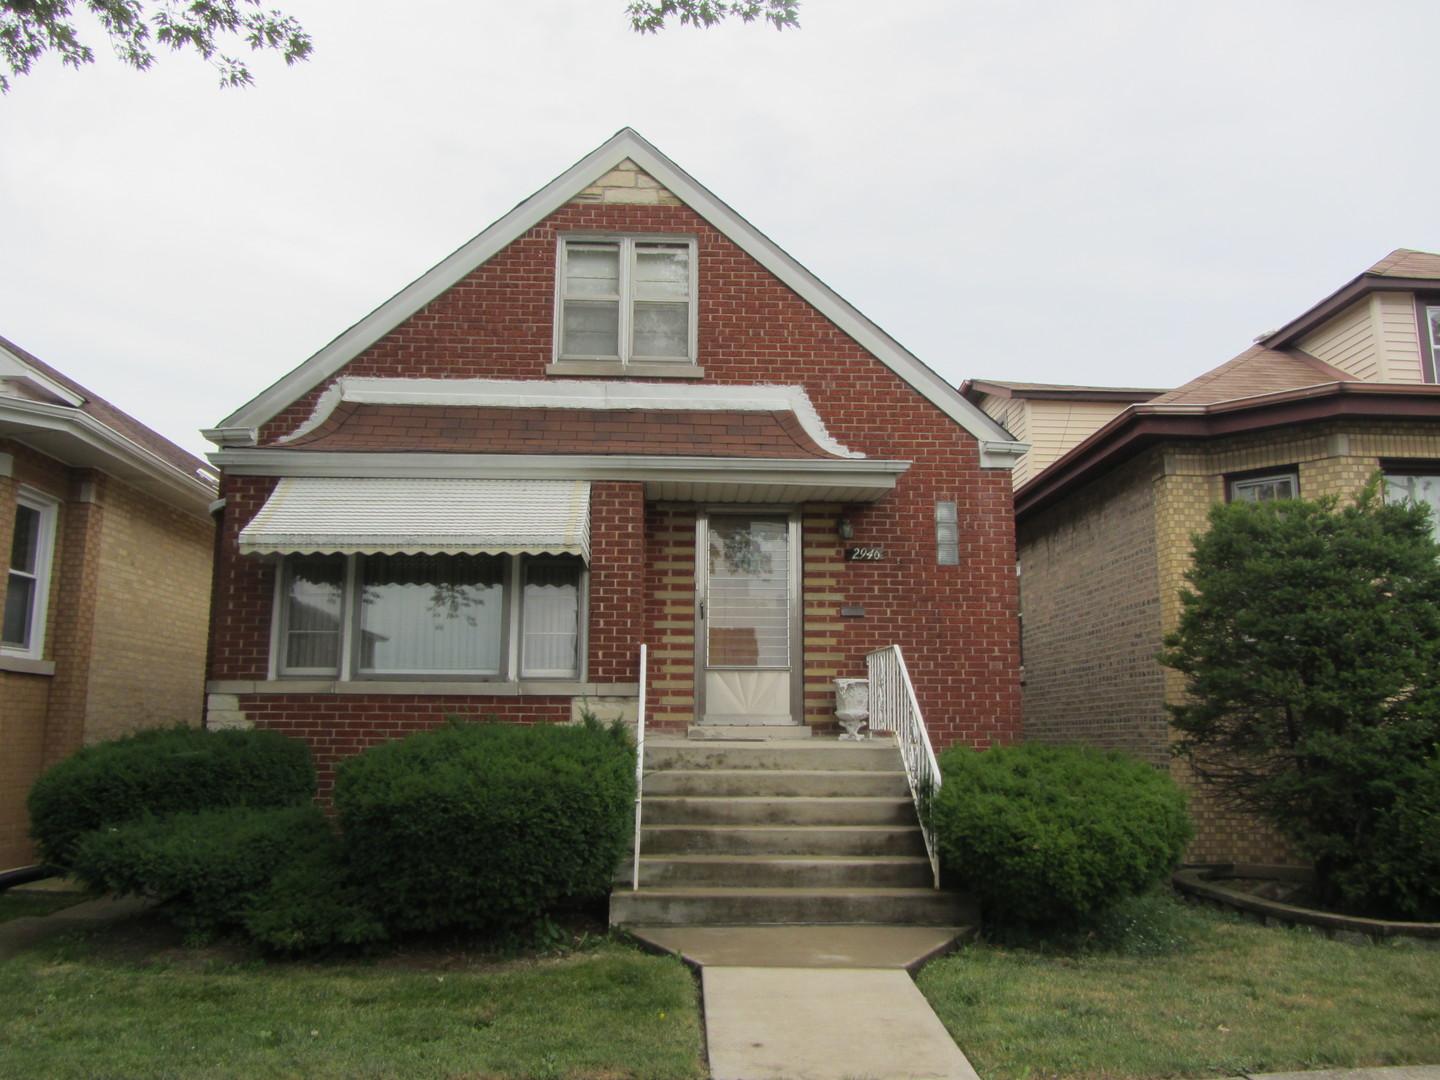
(615, 369)
(24, 666)
(426, 688)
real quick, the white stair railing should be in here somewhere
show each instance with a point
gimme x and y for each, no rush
(639, 771)
(893, 708)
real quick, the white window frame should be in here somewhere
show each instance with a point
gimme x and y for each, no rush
(1240, 486)
(511, 630)
(1395, 475)
(49, 511)
(625, 362)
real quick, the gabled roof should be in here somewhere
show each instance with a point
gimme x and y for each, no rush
(54, 414)
(1403, 270)
(238, 428)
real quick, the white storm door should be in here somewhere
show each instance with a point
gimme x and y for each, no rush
(748, 618)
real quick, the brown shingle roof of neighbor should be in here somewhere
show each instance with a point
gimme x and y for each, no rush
(1408, 263)
(355, 427)
(115, 419)
(1254, 372)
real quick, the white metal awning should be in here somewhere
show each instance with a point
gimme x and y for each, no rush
(371, 515)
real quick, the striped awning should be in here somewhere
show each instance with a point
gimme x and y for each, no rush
(369, 515)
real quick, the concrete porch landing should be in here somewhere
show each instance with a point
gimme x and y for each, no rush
(817, 1002)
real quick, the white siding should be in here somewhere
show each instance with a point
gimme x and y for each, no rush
(1399, 337)
(1348, 342)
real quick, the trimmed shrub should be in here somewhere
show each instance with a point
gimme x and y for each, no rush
(209, 870)
(314, 903)
(487, 826)
(1397, 874)
(1049, 834)
(164, 771)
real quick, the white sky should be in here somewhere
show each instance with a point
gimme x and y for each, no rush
(1121, 192)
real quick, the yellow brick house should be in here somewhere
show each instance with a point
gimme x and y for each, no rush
(106, 541)
(1104, 529)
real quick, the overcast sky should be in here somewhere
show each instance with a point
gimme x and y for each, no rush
(1111, 193)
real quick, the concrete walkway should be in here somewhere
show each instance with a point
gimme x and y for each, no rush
(17, 935)
(818, 1002)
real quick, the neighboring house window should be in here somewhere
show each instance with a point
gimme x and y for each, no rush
(1416, 487)
(27, 590)
(627, 300)
(1284, 485)
(441, 616)
(1427, 308)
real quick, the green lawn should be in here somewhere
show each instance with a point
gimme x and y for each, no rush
(1237, 998)
(606, 1012)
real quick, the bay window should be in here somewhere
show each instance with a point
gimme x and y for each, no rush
(626, 300)
(498, 617)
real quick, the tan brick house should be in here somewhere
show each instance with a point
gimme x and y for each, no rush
(618, 416)
(1103, 531)
(107, 540)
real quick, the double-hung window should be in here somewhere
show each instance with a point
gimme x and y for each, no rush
(436, 616)
(28, 582)
(626, 301)
(1414, 485)
(1260, 488)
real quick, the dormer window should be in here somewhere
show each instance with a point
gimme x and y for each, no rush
(1428, 309)
(626, 303)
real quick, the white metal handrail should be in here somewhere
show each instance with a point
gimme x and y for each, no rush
(893, 708)
(639, 770)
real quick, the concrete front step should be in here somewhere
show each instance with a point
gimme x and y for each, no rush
(797, 810)
(778, 783)
(786, 871)
(671, 753)
(781, 840)
(768, 907)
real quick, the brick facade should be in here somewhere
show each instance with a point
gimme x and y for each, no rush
(124, 644)
(1102, 573)
(956, 623)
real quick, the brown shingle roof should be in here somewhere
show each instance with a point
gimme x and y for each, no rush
(355, 427)
(113, 418)
(1408, 263)
(1256, 371)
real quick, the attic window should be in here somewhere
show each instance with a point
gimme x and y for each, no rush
(626, 303)
(1428, 311)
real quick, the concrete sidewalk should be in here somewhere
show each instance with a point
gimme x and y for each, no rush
(17, 935)
(818, 1002)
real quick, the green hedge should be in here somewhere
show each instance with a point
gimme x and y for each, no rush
(487, 825)
(164, 771)
(1044, 834)
(208, 868)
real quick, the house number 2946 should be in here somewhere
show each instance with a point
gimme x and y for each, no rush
(864, 554)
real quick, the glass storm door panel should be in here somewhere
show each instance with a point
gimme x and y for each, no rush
(748, 618)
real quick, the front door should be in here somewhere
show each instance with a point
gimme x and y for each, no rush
(748, 618)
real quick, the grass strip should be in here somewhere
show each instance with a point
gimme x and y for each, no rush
(608, 1013)
(1234, 998)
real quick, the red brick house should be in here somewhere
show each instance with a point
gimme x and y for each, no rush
(619, 415)
(106, 542)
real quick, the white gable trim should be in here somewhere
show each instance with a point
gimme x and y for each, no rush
(538, 394)
(240, 425)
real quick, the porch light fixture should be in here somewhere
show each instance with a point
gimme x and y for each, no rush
(844, 529)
